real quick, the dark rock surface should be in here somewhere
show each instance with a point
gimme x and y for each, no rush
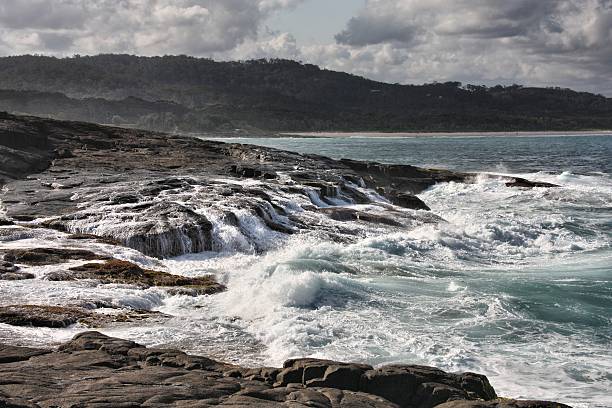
(9, 271)
(93, 370)
(49, 256)
(41, 316)
(521, 182)
(502, 403)
(64, 316)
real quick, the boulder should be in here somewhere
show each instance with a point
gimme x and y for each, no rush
(313, 372)
(424, 387)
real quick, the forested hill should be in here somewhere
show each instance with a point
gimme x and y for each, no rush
(192, 94)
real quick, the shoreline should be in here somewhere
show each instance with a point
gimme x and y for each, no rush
(95, 369)
(442, 134)
(94, 174)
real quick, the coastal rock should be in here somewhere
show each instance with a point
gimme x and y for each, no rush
(350, 214)
(12, 354)
(49, 256)
(64, 316)
(96, 370)
(405, 385)
(164, 195)
(421, 386)
(41, 316)
(116, 271)
(9, 271)
(409, 201)
(160, 229)
(502, 403)
(524, 183)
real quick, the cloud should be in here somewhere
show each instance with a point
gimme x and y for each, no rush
(147, 27)
(542, 42)
(534, 42)
(42, 14)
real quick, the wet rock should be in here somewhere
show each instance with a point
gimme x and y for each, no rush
(96, 370)
(502, 403)
(116, 271)
(195, 290)
(124, 198)
(350, 214)
(63, 154)
(409, 201)
(326, 189)
(49, 256)
(251, 172)
(155, 187)
(59, 276)
(162, 229)
(64, 316)
(102, 240)
(342, 376)
(270, 217)
(41, 316)
(521, 182)
(420, 386)
(322, 373)
(141, 188)
(9, 271)
(6, 267)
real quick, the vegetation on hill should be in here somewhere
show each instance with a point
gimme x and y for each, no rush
(192, 94)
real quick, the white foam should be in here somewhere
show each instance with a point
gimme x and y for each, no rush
(471, 293)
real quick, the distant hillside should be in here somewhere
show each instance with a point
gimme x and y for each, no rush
(191, 94)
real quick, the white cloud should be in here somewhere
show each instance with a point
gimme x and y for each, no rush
(542, 42)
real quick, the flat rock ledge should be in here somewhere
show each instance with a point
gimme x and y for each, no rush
(94, 370)
(105, 269)
(65, 316)
(163, 195)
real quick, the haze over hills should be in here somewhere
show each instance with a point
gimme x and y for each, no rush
(187, 94)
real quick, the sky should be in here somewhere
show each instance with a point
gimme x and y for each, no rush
(566, 43)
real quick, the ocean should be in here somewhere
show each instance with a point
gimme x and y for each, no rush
(516, 285)
(513, 283)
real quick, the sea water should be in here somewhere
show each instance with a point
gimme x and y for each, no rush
(514, 283)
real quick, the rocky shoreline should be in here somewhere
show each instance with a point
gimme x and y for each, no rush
(94, 370)
(100, 206)
(84, 178)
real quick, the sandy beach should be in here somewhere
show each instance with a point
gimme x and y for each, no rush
(446, 134)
